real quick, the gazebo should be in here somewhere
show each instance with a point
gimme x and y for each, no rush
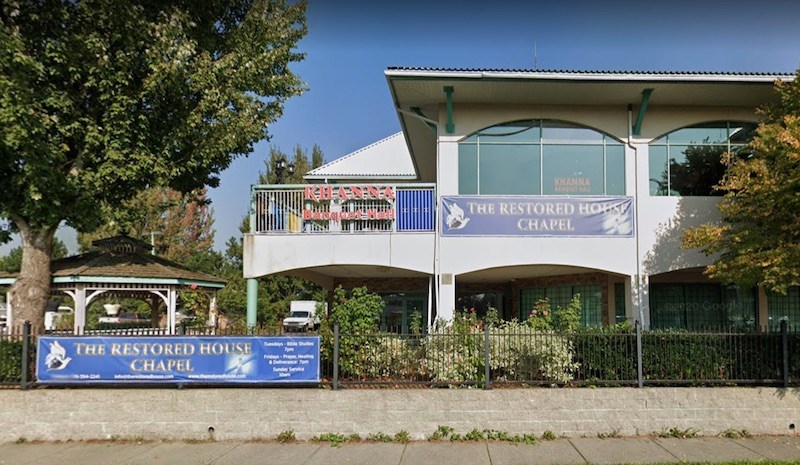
(123, 267)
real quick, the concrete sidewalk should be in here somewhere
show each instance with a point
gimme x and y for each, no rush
(561, 451)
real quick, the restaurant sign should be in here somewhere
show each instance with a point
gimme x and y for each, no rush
(330, 202)
(199, 359)
(483, 215)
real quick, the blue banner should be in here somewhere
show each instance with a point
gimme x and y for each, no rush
(485, 215)
(200, 359)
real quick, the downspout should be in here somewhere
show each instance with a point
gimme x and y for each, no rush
(636, 214)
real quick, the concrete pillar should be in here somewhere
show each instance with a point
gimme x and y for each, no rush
(9, 313)
(446, 305)
(252, 302)
(80, 309)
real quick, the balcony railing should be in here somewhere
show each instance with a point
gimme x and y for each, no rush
(343, 208)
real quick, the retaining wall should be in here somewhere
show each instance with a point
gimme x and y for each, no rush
(244, 413)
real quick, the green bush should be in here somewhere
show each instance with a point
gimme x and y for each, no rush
(10, 361)
(516, 352)
(358, 316)
(455, 352)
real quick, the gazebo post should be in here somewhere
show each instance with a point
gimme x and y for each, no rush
(80, 309)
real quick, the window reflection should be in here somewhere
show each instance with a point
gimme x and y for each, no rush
(541, 157)
(688, 162)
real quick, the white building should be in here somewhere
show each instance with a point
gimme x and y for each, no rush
(508, 186)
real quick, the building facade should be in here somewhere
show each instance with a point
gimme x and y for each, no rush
(505, 187)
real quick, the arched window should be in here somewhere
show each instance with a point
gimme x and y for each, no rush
(538, 157)
(687, 162)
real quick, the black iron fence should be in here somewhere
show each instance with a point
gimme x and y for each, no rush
(509, 356)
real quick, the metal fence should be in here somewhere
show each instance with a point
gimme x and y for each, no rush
(356, 208)
(508, 356)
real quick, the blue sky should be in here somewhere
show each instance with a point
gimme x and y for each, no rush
(350, 43)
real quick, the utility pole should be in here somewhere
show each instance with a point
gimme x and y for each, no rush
(153, 235)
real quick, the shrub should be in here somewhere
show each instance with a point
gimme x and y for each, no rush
(455, 352)
(358, 315)
(10, 361)
(516, 352)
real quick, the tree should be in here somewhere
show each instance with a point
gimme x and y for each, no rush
(299, 161)
(12, 262)
(179, 225)
(759, 237)
(101, 99)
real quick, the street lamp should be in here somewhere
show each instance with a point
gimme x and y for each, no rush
(281, 168)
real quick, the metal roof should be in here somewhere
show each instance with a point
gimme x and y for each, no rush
(607, 74)
(388, 159)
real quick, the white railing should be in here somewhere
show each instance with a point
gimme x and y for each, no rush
(342, 208)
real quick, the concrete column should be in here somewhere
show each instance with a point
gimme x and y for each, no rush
(446, 305)
(641, 300)
(80, 309)
(9, 313)
(252, 302)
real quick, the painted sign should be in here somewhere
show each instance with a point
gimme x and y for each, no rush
(483, 215)
(338, 203)
(200, 359)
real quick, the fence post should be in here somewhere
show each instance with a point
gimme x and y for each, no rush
(639, 367)
(26, 354)
(487, 384)
(336, 356)
(785, 344)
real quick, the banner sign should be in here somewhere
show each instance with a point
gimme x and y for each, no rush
(184, 359)
(482, 215)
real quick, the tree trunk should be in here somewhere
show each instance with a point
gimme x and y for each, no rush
(31, 291)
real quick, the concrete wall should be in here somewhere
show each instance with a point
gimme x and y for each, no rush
(241, 414)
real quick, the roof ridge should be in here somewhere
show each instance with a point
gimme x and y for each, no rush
(572, 71)
(351, 154)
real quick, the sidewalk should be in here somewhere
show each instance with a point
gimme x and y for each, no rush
(561, 451)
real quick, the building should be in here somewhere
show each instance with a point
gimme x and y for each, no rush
(508, 186)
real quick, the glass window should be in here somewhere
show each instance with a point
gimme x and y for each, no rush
(702, 305)
(467, 169)
(784, 307)
(513, 158)
(573, 170)
(619, 303)
(687, 162)
(508, 169)
(560, 296)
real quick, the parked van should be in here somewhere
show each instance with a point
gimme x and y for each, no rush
(302, 316)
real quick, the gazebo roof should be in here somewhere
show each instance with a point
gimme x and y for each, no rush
(124, 260)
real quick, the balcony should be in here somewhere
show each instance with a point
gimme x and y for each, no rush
(343, 208)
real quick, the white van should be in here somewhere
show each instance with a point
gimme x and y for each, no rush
(302, 316)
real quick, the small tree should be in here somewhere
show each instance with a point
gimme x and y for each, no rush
(357, 314)
(758, 240)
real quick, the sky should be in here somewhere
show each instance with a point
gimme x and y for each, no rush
(350, 43)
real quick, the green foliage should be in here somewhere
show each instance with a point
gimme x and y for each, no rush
(379, 437)
(549, 436)
(335, 440)
(286, 436)
(358, 316)
(12, 262)
(757, 241)
(519, 353)
(455, 352)
(568, 319)
(677, 433)
(442, 432)
(732, 433)
(10, 361)
(401, 437)
(101, 100)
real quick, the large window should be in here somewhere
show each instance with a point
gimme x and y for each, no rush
(687, 162)
(560, 296)
(784, 307)
(699, 306)
(541, 158)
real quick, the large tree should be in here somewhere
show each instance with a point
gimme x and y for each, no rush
(758, 240)
(179, 226)
(100, 99)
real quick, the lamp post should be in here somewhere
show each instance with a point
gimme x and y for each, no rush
(281, 169)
